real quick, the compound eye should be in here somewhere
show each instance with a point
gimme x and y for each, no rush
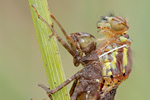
(87, 44)
(118, 24)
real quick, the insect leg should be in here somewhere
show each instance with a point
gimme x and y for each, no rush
(76, 76)
(73, 87)
(57, 36)
(78, 91)
(60, 26)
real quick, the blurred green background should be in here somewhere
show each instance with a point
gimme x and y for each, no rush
(21, 66)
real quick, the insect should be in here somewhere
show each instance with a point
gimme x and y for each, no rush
(89, 78)
(118, 63)
(90, 83)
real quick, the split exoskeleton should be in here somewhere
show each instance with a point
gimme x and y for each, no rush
(105, 66)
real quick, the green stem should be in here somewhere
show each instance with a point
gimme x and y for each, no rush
(49, 49)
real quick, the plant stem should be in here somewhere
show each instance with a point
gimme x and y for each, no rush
(49, 49)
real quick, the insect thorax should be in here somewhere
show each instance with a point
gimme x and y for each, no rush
(116, 64)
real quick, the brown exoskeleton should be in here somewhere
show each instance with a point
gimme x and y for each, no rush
(115, 53)
(88, 84)
(88, 80)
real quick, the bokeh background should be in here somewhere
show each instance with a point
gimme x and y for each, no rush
(21, 66)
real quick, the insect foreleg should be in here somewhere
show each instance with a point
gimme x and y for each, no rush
(54, 32)
(60, 26)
